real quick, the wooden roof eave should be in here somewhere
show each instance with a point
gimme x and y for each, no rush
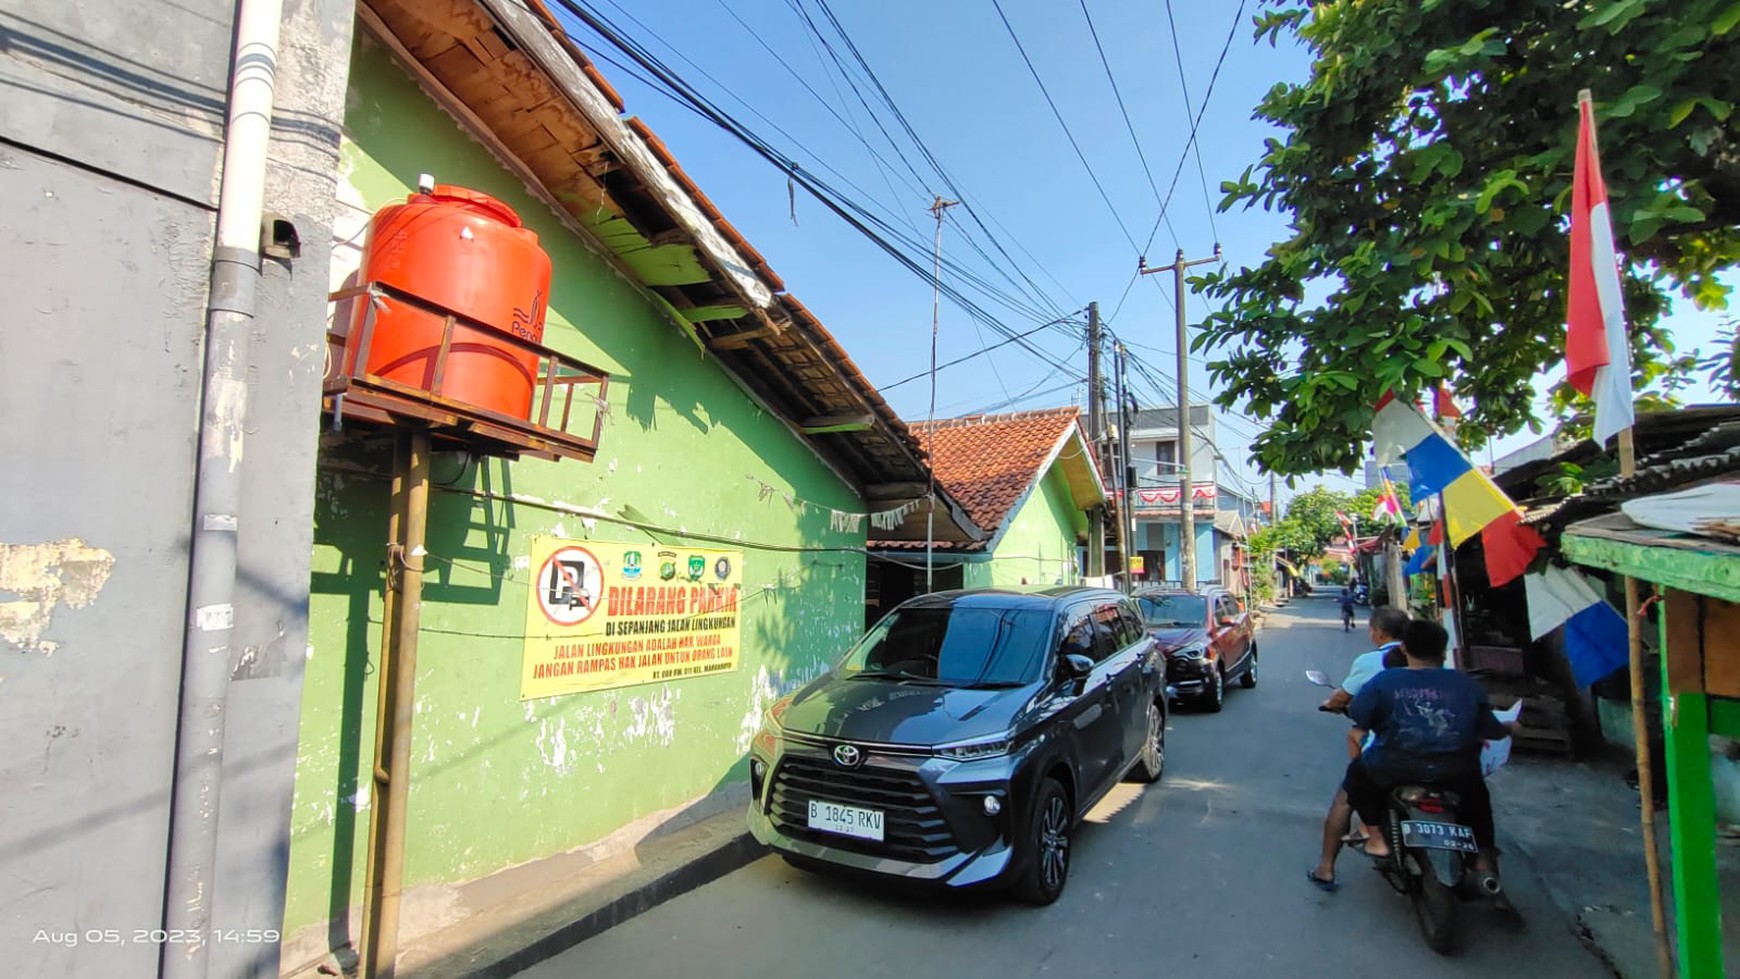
(536, 34)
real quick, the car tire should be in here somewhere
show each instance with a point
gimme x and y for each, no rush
(1045, 869)
(1249, 679)
(1151, 764)
(1215, 698)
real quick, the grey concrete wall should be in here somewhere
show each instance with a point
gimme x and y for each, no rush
(110, 131)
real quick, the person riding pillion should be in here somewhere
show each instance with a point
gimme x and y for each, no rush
(1430, 724)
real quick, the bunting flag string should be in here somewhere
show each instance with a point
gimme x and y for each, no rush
(1596, 640)
(890, 519)
(1472, 503)
(844, 521)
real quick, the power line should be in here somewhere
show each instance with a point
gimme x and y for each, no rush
(976, 353)
(852, 213)
(1032, 392)
(1193, 145)
(1060, 121)
(906, 125)
(1196, 123)
(845, 120)
(954, 266)
(1128, 126)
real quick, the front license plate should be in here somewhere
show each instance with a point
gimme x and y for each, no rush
(1438, 836)
(831, 817)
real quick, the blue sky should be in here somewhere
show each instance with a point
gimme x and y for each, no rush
(1054, 242)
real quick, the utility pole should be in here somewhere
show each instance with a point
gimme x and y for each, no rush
(937, 207)
(1186, 486)
(1096, 557)
(1274, 554)
(1126, 470)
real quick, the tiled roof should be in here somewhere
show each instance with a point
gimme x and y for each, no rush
(988, 462)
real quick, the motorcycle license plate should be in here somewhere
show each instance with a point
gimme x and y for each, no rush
(1438, 836)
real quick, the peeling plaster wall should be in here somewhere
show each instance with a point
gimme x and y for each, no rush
(499, 782)
(113, 116)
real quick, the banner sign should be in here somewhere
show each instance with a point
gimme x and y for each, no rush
(1203, 496)
(603, 615)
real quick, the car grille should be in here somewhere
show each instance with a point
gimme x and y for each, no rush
(913, 825)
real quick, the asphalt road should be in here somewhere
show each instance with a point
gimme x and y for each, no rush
(1201, 875)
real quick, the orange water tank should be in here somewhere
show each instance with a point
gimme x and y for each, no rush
(467, 252)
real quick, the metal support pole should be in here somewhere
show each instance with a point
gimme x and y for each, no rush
(397, 702)
(937, 208)
(1186, 480)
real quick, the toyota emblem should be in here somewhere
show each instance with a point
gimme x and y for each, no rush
(848, 756)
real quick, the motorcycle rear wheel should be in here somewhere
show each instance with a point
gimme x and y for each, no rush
(1435, 908)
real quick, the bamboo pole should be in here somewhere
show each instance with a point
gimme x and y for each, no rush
(1639, 718)
(1640, 734)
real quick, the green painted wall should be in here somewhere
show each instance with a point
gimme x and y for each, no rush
(496, 781)
(1040, 544)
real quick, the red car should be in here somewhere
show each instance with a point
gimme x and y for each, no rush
(1207, 640)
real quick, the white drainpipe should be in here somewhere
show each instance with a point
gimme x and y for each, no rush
(207, 657)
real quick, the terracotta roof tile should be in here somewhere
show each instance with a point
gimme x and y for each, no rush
(987, 462)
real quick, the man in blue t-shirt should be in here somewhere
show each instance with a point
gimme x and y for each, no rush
(1430, 724)
(1387, 626)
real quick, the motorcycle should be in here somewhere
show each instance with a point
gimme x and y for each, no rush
(1431, 858)
(1361, 594)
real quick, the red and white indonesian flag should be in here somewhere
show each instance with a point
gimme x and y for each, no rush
(1597, 354)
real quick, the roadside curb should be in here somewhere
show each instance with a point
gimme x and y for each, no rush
(736, 853)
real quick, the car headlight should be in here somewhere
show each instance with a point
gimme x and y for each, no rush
(974, 750)
(1191, 652)
(774, 718)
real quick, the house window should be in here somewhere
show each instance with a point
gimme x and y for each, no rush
(1165, 453)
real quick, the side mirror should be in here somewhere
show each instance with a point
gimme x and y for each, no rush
(1076, 666)
(1318, 677)
(1228, 622)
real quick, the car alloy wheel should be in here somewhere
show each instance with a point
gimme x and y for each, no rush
(1153, 763)
(1249, 680)
(1047, 867)
(1215, 699)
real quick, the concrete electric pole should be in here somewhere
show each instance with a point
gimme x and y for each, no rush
(1126, 469)
(1186, 485)
(1096, 556)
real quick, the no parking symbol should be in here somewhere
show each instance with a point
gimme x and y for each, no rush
(569, 585)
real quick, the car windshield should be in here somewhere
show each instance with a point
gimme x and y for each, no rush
(957, 646)
(1173, 611)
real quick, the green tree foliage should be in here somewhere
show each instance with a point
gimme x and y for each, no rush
(1316, 511)
(1427, 166)
(1307, 529)
(1288, 536)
